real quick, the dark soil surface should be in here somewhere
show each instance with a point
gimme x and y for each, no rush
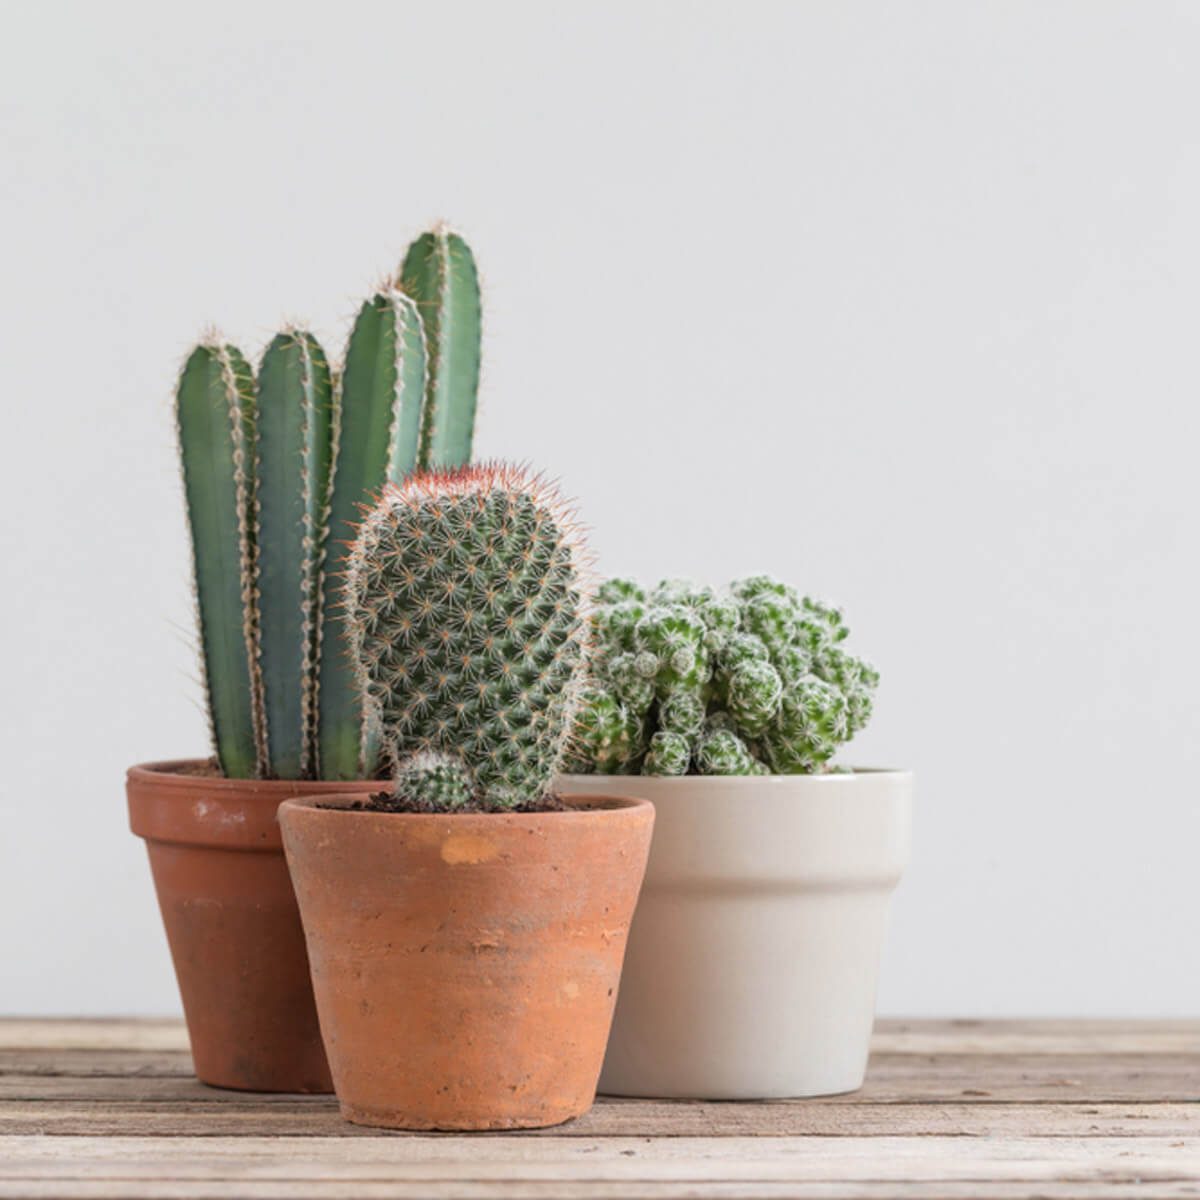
(389, 802)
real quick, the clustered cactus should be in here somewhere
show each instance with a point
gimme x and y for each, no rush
(276, 471)
(466, 605)
(684, 679)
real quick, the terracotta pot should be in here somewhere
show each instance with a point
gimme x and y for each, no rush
(466, 965)
(232, 923)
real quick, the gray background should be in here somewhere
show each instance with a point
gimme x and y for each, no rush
(898, 301)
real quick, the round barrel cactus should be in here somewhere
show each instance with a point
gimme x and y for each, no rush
(466, 608)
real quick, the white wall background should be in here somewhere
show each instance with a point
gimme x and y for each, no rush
(899, 301)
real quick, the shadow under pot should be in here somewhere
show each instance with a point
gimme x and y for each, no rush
(232, 922)
(466, 964)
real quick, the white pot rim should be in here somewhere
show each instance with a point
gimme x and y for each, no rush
(751, 782)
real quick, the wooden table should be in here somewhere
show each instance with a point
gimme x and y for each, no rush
(950, 1109)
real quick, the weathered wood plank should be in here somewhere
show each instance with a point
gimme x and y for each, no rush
(892, 1035)
(891, 1079)
(249, 1189)
(639, 1159)
(249, 1117)
(995, 1110)
(93, 1033)
(1059, 1036)
(84, 1064)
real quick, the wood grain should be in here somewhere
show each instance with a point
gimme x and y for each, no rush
(616, 1118)
(993, 1110)
(891, 1078)
(892, 1035)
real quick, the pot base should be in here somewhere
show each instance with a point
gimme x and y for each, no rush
(460, 1123)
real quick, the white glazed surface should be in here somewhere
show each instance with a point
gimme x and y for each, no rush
(754, 953)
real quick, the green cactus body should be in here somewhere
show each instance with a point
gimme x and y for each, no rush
(295, 440)
(439, 273)
(613, 591)
(616, 626)
(821, 625)
(215, 415)
(681, 711)
(675, 635)
(669, 754)
(740, 680)
(378, 420)
(466, 615)
(605, 733)
(758, 585)
(793, 663)
(772, 619)
(632, 687)
(435, 781)
(813, 721)
(754, 692)
(855, 679)
(722, 752)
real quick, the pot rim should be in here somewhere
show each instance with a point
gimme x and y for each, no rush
(167, 802)
(580, 807)
(749, 782)
(175, 773)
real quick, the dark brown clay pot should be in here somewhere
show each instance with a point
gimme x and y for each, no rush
(232, 923)
(466, 965)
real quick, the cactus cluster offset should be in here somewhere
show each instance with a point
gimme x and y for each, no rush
(466, 605)
(277, 469)
(684, 679)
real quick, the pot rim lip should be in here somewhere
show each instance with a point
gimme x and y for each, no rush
(329, 803)
(750, 782)
(172, 772)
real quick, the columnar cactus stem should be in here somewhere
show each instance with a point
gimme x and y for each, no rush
(215, 416)
(439, 273)
(295, 444)
(377, 428)
(278, 475)
(466, 612)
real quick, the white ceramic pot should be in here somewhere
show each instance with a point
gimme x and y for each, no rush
(754, 952)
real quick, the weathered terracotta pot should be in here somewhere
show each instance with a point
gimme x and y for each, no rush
(232, 923)
(466, 965)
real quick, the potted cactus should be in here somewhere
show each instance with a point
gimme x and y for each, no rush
(276, 467)
(466, 929)
(753, 959)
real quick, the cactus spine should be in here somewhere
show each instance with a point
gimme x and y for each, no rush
(466, 614)
(215, 419)
(382, 387)
(295, 438)
(439, 273)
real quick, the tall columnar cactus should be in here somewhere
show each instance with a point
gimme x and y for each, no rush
(686, 679)
(382, 387)
(439, 273)
(466, 608)
(216, 419)
(277, 474)
(295, 442)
